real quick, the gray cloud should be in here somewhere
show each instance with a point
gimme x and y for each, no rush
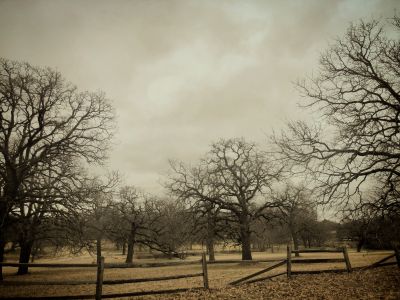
(181, 73)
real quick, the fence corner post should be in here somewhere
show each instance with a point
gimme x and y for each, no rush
(205, 273)
(99, 280)
(289, 261)
(346, 259)
(397, 254)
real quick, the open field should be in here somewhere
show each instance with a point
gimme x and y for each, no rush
(379, 282)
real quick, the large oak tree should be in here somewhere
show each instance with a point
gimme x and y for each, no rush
(355, 142)
(44, 119)
(233, 177)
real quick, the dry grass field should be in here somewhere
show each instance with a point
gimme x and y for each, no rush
(377, 283)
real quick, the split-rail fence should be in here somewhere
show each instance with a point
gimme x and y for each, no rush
(254, 277)
(99, 282)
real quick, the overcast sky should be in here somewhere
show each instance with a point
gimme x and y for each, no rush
(181, 74)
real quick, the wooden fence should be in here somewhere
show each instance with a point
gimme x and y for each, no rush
(99, 282)
(383, 262)
(290, 261)
(246, 279)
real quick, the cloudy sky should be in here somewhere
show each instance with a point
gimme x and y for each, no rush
(182, 74)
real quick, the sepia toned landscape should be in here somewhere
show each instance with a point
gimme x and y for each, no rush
(369, 283)
(199, 149)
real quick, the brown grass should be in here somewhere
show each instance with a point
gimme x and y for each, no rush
(220, 275)
(383, 283)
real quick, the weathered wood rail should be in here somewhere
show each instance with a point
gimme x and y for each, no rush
(291, 261)
(382, 262)
(281, 263)
(99, 282)
(36, 265)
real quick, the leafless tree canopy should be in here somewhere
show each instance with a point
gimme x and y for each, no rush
(43, 118)
(231, 177)
(357, 93)
(46, 127)
(295, 209)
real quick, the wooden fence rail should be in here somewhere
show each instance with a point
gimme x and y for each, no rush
(318, 250)
(35, 265)
(236, 261)
(150, 264)
(290, 261)
(382, 262)
(105, 282)
(317, 260)
(259, 273)
(135, 265)
(318, 271)
(99, 282)
(265, 278)
(37, 282)
(107, 296)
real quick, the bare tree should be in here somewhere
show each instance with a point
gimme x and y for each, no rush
(355, 144)
(233, 176)
(94, 212)
(43, 118)
(295, 209)
(136, 216)
(50, 191)
(170, 233)
(208, 225)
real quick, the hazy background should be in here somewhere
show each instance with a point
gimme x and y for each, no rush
(183, 73)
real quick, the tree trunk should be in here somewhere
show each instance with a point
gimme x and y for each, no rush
(24, 256)
(2, 246)
(129, 255)
(360, 244)
(210, 249)
(295, 242)
(124, 248)
(98, 249)
(245, 235)
(33, 255)
(3, 224)
(304, 242)
(131, 243)
(246, 246)
(35, 252)
(210, 237)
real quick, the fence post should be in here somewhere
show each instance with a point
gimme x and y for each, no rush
(397, 253)
(346, 259)
(99, 280)
(289, 261)
(205, 273)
